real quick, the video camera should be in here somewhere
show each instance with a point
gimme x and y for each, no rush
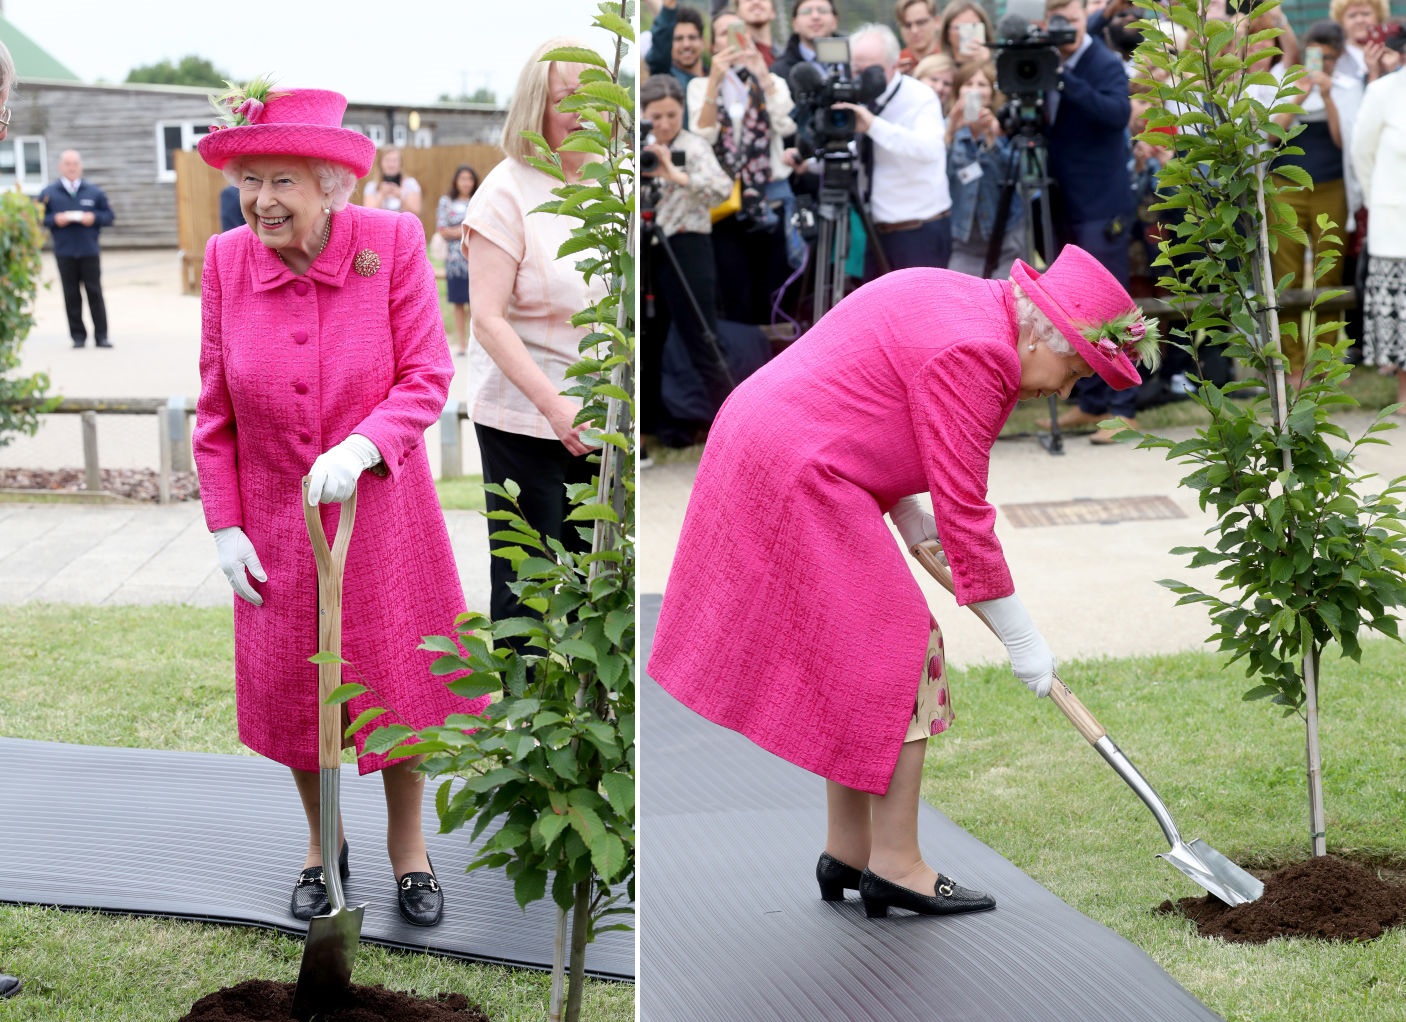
(649, 162)
(1028, 65)
(828, 131)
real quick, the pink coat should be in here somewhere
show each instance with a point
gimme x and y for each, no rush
(290, 366)
(791, 614)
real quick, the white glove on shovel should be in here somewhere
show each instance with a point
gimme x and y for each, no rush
(1031, 657)
(236, 554)
(914, 523)
(332, 478)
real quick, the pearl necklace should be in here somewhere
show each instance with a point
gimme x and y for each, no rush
(326, 234)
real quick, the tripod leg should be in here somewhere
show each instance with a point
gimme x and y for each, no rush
(722, 381)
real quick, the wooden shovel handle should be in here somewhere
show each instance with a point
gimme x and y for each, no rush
(929, 554)
(331, 563)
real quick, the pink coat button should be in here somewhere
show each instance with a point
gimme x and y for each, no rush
(300, 388)
(300, 337)
(300, 287)
(305, 438)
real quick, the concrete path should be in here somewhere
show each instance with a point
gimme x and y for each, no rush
(1091, 588)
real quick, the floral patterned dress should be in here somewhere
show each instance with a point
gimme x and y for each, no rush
(933, 712)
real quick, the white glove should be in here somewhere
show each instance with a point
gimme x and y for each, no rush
(332, 478)
(914, 523)
(236, 554)
(1031, 657)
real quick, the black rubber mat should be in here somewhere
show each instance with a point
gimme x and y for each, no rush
(732, 925)
(221, 838)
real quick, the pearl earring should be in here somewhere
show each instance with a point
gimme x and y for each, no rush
(1030, 347)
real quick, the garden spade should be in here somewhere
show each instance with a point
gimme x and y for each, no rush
(1198, 860)
(325, 976)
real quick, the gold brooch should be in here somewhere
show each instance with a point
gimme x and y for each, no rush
(366, 263)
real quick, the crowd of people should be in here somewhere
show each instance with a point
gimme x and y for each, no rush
(937, 151)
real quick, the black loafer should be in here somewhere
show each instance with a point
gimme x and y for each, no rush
(834, 878)
(310, 892)
(420, 898)
(9, 986)
(947, 898)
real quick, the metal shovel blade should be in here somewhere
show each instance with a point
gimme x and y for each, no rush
(329, 950)
(1198, 860)
(328, 954)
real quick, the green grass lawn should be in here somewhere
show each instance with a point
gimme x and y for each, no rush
(162, 678)
(1017, 775)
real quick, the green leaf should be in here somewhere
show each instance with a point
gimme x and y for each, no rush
(345, 693)
(619, 792)
(575, 55)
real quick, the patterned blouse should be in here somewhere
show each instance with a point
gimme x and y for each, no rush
(686, 209)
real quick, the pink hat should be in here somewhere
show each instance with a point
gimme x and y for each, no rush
(1090, 308)
(292, 122)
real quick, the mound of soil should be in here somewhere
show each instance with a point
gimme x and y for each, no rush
(261, 1000)
(1327, 897)
(132, 483)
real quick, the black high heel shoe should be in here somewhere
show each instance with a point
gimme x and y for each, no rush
(420, 898)
(879, 895)
(834, 878)
(310, 892)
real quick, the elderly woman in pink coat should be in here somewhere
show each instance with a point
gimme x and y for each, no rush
(791, 614)
(323, 353)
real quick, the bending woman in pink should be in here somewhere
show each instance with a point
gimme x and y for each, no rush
(792, 616)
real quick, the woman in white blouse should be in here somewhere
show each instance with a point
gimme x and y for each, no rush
(521, 300)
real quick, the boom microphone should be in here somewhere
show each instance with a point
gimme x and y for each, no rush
(1013, 28)
(804, 79)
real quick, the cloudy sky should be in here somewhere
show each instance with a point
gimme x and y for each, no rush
(400, 51)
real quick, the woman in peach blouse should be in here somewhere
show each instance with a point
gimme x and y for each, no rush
(522, 298)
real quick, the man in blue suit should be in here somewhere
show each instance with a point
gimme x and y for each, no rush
(75, 211)
(1087, 135)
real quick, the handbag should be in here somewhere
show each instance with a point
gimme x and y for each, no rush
(731, 204)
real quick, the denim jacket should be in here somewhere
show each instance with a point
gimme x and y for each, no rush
(974, 204)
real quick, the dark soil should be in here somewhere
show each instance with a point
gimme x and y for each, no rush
(129, 483)
(1327, 897)
(261, 1000)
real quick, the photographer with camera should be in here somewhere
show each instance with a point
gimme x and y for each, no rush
(1087, 119)
(902, 144)
(683, 181)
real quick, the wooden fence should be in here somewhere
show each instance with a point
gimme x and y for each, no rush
(198, 188)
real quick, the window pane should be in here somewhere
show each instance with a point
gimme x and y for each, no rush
(170, 141)
(7, 159)
(33, 152)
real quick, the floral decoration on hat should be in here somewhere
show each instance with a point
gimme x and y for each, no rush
(1129, 334)
(239, 105)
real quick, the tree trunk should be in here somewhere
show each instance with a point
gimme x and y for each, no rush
(1317, 824)
(558, 968)
(580, 924)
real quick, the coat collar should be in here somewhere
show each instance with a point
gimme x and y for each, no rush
(330, 267)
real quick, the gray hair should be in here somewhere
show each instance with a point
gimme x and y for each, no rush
(1037, 326)
(7, 73)
(885, 36)
(337, 180)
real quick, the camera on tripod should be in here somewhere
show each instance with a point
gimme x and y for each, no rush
(1027, 67)
(828, 130)
(649, 162)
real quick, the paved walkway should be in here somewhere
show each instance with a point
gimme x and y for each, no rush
(1091, 588)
